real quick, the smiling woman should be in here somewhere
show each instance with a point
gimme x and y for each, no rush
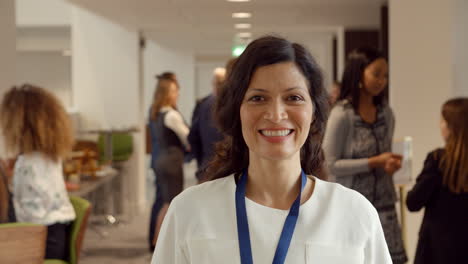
(265, 203)
(276, 113)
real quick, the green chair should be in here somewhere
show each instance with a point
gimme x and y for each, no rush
(82, 210)
(22, 243)
(122, 146)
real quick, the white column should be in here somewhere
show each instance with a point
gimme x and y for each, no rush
(8, 46)
(427, 62)
(7, 51)
(106, 87)
(460, 44)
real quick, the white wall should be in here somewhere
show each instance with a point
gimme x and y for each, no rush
(204, 76)
(459, 48)
(50, 70)
(106, 89)
(319, 44)
(7, 51)
(43, 38)
(157, 59)
(322, 50)
(8, 46)
(421, 78)
(42, 12)
(104, 71)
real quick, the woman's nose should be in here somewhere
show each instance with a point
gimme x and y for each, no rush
(276, 112)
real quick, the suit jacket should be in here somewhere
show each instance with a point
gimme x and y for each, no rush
(203, 133)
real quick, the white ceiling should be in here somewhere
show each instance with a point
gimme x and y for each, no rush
(208, 28)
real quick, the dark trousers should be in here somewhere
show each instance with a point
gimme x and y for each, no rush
(157, 205)
(58, 237)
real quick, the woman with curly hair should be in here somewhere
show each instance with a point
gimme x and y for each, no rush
(37, 130)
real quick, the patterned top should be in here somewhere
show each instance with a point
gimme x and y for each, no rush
(39, 193)
(371, 140)
(349, 142)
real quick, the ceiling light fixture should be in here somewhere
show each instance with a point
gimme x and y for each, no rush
(241, 15)
(238, 1)
(243, 26)
(244, 35)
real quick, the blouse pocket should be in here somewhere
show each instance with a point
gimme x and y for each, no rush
(320, 254)
(203, 251)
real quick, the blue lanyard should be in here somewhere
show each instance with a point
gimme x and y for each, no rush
(243, 224)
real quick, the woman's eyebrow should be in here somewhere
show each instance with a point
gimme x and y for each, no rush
(266, 91)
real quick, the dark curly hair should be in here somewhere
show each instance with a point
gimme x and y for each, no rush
(232, 155)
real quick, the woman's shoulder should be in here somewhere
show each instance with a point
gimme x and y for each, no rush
(436, 154)
(386, 109)
(339, 196)
(172, 114)
(341, 110)
(343, 105)
(34, 159)
(433, 157)
(204, 193)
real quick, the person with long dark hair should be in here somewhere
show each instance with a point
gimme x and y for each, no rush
(358, 140)
(268, 201)
(442, 189)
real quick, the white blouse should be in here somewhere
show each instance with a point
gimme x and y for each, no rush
(336, 225)
(39, 193)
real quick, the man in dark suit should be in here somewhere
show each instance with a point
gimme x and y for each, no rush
(203, 133)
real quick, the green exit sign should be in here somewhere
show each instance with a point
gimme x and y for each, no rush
(237, 50)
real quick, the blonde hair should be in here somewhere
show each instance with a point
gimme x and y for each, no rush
(33, 119)
(161, 95)
(454, 161)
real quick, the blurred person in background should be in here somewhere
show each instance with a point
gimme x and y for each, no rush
(203, 133)
(442, 190)
(37, 128)
(334, 93)
(151, 129)
(358, 140)
(171, 134)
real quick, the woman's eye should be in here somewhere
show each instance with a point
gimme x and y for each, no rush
(295, 98)
(256, 98)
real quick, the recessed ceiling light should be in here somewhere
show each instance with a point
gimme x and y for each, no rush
(243, 26)
(241, 15)
(245, 35)
(238, 1)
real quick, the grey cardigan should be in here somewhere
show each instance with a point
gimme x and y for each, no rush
(337, 143)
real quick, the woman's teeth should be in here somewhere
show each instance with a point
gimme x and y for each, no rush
(276, 133)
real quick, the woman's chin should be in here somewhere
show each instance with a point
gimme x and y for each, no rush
(277, 155)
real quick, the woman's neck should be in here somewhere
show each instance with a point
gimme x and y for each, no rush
(366, 100)
(274, 183)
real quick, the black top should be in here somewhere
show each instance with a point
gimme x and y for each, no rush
(203, 133)
(11, 209)
(167, 138)
(443, 237)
